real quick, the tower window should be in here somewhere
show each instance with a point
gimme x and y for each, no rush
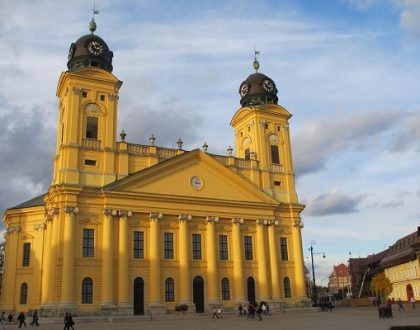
(266, 126)
(277, 183)
(84, 94)
(26, 254)
(247, 154)
(91, 127)
(102, 97)
(275, 159)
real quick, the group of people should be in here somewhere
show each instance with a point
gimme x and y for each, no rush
(217, 312)
(254, 310)
(400, 303)
(21, 319)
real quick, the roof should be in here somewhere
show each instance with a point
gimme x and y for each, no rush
(341, 270)
(36, 201)
(401, 251)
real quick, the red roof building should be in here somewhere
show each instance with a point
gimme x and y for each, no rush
(340, 279)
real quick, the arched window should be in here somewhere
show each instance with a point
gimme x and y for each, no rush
(225, 289)
(247, 154)
(287, 288)
(169, 289)
(23, 293)
(91, 127)
(275, 158)
(87, 291)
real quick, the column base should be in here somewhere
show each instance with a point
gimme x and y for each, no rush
(48, 310)
(157, 308)
(108, 308)
(64, 308)
(124, 308)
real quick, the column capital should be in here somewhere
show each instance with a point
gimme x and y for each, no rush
(185, 217)
(237, 220)
(211, 218)
(267, 222)
(125, 213)
(71, 209)
(298, 223)
(40, 226)
(11, 230)
(108, 211)
(155, 216)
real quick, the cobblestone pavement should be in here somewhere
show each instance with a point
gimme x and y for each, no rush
(341, 318)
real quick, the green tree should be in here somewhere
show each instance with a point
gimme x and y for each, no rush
(382, 286)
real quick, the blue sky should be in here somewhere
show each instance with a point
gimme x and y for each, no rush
(348, 71)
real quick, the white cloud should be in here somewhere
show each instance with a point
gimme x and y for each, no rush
(332, 203)
(410, 16)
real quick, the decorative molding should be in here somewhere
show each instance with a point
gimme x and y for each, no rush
(108, 211)
(185, 217)
(92, 107)
(198, 227)
(113, 97)
(155, 216)
(297, 222)
(124, 213)
(89, 221)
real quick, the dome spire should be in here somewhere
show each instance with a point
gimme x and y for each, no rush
(256, 64)
(92, 24)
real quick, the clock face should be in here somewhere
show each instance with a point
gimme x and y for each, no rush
(244, 90)
(196, 182)
(268, 85)
(95, 47)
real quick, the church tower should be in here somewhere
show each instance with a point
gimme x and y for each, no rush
(88, 102)
(262, 135)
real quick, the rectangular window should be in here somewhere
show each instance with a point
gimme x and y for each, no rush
(247, 154)
(168, 245)
(223, 247)
(138, 245)
(90, 162)
(88, 242)
(248, 248)
(91, 127)
(283, 249)
(275, 159)
(26, 254)
(196, 246)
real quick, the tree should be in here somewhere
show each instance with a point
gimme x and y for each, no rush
(382, 286)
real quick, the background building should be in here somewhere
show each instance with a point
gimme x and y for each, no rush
(128, 228)
(340, 279)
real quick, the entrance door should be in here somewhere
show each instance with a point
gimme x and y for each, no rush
(198, 294)
(250, 284)
(138, 295)
(409, 290)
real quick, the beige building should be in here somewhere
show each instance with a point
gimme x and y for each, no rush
(340, 279)
(129, 228)
(402, 267)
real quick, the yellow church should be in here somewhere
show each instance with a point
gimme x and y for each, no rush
(131, 229)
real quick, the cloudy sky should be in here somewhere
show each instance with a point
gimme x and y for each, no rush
(348, 71)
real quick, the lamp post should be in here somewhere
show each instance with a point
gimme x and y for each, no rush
(350, 275)
(314, 293)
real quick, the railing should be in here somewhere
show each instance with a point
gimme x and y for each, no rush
(166, 153)
(137, 149)
(221, 159)
(242, 163)
(276, 168)
(91, 144)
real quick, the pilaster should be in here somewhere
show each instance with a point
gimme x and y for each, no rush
(184, 265)
(212, 274)
(262, 261)
(238, 269)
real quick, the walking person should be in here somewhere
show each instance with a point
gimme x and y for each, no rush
(219, 312)
(413, 302)
(400, 305)
(35, 318)
(214, 313)
(21, 318)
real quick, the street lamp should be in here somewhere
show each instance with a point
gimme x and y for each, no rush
(314, 294)
(350, 275)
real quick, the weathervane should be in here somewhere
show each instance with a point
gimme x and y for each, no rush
(92, 24)
(256, 64)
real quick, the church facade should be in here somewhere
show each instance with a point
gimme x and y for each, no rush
(130, 229)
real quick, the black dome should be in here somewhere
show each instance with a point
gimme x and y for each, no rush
(258, 89)
(90, 51)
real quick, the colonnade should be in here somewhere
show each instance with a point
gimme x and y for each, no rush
(268, 273)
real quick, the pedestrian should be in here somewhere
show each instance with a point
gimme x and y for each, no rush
(259, 312)
(240, 308)
(10, 317)
(400, 305)
(219, 312)
(214, 313)
(3, 320)
(413, 302)
(389, 303)
(264, 309)
(70, 322)
(35, 318)
(21, 318)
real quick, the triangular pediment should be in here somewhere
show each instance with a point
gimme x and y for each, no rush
(175, 177)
